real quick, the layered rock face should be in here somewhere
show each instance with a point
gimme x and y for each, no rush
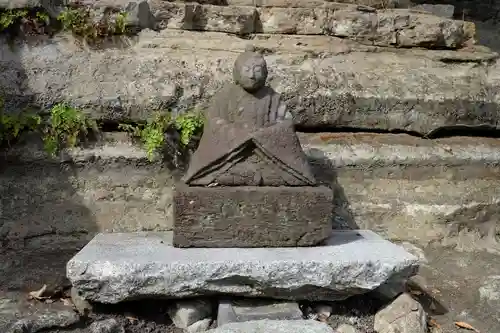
(374, 66)
(337, 64)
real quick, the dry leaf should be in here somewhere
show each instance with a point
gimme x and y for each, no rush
(38, 294)
(131, 319)
(466, 326)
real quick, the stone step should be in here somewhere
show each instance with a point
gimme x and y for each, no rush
(413, 28)
(410, 189)
(304, 45)
(344, 85)
(300, 3)
(386, 27)
(404, 188)
(257, 3)
(118, 267)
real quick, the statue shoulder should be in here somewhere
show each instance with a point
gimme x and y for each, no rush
(218, 104)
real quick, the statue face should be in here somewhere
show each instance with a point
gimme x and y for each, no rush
(250, 71)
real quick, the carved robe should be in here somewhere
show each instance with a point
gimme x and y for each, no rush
(248, 142)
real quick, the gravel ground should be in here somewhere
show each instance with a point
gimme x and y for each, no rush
(150, 316)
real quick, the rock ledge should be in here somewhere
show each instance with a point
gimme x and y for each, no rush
(124, 266)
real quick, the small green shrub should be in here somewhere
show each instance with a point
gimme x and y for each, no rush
(80, 23)
(120, 24)
(44, 17)
(66, 126)
(30, 22)
(12, 125)
(10, 17)
(189, 124)
(152, 134)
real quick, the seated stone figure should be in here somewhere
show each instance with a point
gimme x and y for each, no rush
(249, 183)
(249, 138)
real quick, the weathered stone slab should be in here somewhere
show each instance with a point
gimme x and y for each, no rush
(404, 314)
(388, 27)
(251, 216)
(275, 326)
(193, 16)
(257, 3)
(400, 27)
(344, 87)
(287, 3)
(241, 310)
(302, 21)
(442, 10)
(124, 266)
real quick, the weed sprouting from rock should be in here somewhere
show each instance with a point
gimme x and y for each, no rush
(66, 126)
(152, 133)
(12, 125)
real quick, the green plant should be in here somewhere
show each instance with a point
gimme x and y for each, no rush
(44, 17)
(120, 26)
(80, 22)
(151, 134)
(67, 124)
(189, 124)
(10, 17)
(12, 125)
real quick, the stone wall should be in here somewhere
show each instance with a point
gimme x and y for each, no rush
(405, 188)
(365, 65)
(337, 64)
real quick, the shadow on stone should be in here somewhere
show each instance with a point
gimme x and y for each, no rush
(358, 311)
(326, 173)
(41, 217)
(43, 220)
(43, 224)
(429, 303)
(137, 316)
(175, 156)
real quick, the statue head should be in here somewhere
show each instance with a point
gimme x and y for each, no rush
(250, 71)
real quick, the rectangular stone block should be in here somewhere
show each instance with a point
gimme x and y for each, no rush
(247, 309)
(300, 21)
(194, 16)
(118, 267)
(400, 27)
(251, 216)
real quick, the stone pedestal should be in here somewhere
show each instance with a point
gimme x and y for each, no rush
(251, 216)
(118, 267)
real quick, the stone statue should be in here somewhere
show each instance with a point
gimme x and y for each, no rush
(249, 183)
(249, 138)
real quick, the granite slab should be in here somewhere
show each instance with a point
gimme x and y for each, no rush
(116, 267)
